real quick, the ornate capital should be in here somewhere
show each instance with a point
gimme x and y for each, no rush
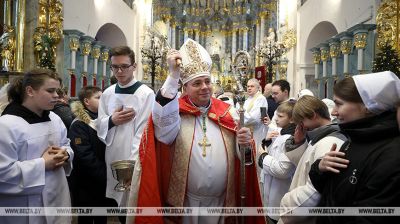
(345, 46)
(334, 49)
(360, 40)
(86, 48)
(73, 43)
(316, 57)
(324, 54)
(96, 52)
(104, 55)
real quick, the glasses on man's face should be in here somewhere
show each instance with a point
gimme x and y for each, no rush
(116, 68)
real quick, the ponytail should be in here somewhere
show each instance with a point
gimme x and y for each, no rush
(34, 78)
(15, 90)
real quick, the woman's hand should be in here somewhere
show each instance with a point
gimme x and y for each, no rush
(333, 161)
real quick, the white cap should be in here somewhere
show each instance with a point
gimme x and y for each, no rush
(379, 92)
(330, 104)
(305, 92)
(196, 61)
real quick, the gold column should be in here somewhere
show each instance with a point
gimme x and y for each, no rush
(7, 13)
(20, 28)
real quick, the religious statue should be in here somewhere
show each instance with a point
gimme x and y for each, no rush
(7, 46)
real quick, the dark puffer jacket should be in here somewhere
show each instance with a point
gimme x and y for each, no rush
(372, 178)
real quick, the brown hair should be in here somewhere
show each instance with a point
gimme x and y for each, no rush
(123, 50)
(307, 106)
(87, 92)
(34, 78)
(346, 89)
(287, 107)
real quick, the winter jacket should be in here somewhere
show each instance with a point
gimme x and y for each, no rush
(372, 177)
(88, 179)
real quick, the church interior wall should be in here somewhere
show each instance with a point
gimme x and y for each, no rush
(342, 14)
(89, 16)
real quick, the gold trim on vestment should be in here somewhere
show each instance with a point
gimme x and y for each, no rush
(180, 165)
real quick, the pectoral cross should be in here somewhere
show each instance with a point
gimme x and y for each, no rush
(204, 143)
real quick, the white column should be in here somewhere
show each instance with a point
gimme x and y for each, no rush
(324, 69)
(104, 69)
(95, 70)
(168, 31)
(196, 33)
(334, 66)
(345, 64)
(173, 37)
(85, 63)
(360, 59)
(316, 70)
(245, 36)
(185, 34)
(262, 28)
(257, 34)
(73, 59)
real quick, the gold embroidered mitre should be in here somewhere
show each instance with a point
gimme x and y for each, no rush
(196, 61)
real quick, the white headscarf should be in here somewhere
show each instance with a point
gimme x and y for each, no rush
(379, 92)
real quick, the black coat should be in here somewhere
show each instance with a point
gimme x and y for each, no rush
(272, 105)
(372, 178)
(64, 112)
(88, 179)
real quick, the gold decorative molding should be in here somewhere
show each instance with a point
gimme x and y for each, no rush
(345, 46)
(7, 46)
(86, 48)
(104, 55)
(96, 52)
(289, 39)
(334, 50)
(387, 23)
(316, 57)
(324, 54)
(74, 44)
(360, 40)
(48, 33)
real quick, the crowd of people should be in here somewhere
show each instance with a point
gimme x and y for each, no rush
(186, 144)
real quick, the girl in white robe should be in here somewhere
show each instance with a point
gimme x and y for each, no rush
(35, 155)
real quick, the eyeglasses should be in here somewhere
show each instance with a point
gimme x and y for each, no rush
(123, 67)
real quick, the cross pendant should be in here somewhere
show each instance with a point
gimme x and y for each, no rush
(204, 144)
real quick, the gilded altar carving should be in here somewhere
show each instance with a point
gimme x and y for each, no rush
(48, 33)
(104, 55)
(289, 39)
(7, 46)
(387, 24)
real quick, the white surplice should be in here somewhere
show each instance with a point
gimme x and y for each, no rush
(252, 116)
(122, 141)
(24, 182)
(207, 176)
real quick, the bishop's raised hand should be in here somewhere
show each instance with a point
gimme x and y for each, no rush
(174, 61)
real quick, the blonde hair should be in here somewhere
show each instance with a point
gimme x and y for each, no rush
(286, 108)
(307, 106)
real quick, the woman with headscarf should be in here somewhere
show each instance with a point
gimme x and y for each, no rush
(365, 171)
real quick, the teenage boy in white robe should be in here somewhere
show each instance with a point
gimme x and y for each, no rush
(123, 113)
